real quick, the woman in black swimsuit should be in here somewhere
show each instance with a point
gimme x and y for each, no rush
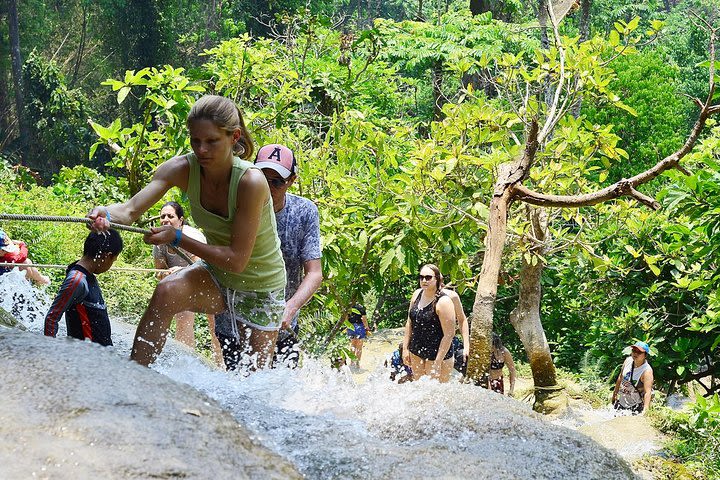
(430, 328)
(499, 357)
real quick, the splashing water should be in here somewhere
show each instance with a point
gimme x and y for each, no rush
(329, 427)
(27, 304)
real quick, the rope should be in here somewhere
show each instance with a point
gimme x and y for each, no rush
(51, 218)
(553, 388)
(116, 269)
(117, 226)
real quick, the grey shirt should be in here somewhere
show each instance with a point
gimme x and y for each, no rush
(298, 225)
(172, 259)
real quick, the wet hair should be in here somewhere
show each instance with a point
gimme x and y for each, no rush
(225, 115)
(178, 210)
(100, 244)
(497, 342)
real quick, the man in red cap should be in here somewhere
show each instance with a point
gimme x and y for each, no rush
(298, 224)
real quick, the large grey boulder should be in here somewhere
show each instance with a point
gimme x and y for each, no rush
(71, 409)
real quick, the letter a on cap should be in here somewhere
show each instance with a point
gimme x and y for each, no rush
(275, 155)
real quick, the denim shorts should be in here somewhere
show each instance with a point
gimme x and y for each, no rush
(259, 310)
(358, 331)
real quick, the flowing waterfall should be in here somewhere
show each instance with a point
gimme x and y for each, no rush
(325, 425)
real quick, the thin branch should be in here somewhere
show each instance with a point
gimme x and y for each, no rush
(627, 187)
(551, 120)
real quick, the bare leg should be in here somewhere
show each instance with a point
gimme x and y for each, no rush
(190, 289)
(446, 369)
(263, 343)
(418, 366)
(215, 343)
(185, 331)
(255, 347)
(356, 344)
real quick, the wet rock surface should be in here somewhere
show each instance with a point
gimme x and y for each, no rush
(72, 409)
(75, 410)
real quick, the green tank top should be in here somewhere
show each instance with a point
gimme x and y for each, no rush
(265, 271)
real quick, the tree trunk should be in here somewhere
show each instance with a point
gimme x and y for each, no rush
(510, 174)
(378, 307)
(481, 324)
(5, 109)
(210, 22)
(13, 27)
(585, 20)
(81, 47)
(525, 318)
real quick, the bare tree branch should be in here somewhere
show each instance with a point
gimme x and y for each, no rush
(551, 117)
(627, 187)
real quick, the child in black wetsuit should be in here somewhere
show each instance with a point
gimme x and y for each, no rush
(80, 298)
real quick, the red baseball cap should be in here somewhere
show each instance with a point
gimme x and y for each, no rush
(277, 157)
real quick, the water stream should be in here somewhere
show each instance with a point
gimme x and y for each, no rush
(329, 426)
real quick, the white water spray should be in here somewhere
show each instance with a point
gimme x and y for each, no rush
(329, 427)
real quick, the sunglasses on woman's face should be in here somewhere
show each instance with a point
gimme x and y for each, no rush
(427, 278)
(167, 215)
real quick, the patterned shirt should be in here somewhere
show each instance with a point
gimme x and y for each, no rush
(298, 225)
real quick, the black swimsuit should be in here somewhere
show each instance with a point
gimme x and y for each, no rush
(427, 332)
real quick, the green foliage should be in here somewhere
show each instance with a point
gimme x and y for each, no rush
(606, 12)
(164, 96)
(648, 84)
(696, 435)
(314, 329)
(89, 186)
(57, 115)
(688, 47)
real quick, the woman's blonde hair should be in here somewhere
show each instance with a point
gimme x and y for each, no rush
(224, 114)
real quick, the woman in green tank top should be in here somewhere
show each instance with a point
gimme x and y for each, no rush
(241, 277)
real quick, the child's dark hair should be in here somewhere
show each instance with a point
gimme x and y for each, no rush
(100, 244)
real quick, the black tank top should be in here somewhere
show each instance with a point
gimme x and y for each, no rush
(426, 331)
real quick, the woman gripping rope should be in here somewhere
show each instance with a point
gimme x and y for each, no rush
(241, 276)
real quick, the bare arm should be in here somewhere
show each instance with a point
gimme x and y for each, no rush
(463, 323)
(173, 173)
(617, 383)
(307, 288)
(511, 368)
(647, 386)
(446, 313)
(461, 319)
(365, 323)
